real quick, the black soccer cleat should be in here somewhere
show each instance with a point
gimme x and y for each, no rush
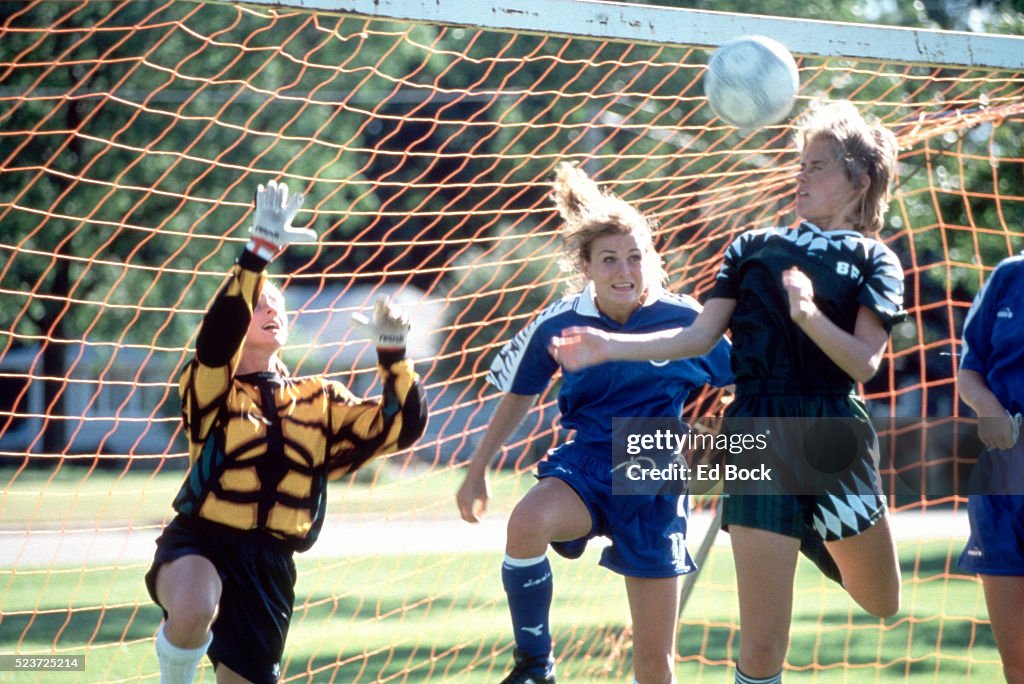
(526, 668)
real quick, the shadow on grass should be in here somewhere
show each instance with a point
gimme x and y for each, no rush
(396, 663)
(905, 644)
(70, 627)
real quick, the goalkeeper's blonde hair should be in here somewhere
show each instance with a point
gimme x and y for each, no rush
(588, 213)
(862, 147)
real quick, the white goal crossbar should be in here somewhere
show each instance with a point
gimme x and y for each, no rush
(669, 25)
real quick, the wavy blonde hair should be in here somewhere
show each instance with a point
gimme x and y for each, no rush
(862, 147)
(589, 213)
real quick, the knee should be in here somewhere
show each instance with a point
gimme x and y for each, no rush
(882, 604)
(189, 622)
(886, 609)
(526, 527)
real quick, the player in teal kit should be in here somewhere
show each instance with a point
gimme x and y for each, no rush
(608, 245)
(810, 309)
(782, 372)
(990, 381)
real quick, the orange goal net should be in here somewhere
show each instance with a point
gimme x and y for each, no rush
(132, 136)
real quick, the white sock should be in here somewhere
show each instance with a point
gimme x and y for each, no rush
(178, 665)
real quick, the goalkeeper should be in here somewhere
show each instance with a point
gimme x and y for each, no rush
(262, 446)
(608, 245)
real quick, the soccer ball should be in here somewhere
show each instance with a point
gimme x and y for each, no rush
(751, 81)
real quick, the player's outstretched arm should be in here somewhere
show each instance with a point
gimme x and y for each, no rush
(364, 428)
(222, 333)
(580, 347)
(474, 493)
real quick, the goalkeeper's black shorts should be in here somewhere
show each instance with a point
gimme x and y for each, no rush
(258, 577)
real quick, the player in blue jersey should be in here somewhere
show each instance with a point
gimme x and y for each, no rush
(990, 381)
(608, 244)
(809, 309)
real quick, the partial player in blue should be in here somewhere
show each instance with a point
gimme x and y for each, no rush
(608, 244)
(809, 309)
(991, 381)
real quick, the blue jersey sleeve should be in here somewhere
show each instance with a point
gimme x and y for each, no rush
(524, 366)
(977, 336)
(993, 331)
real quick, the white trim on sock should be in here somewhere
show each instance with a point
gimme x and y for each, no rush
(747, 679)
(178, 665)
(522, 562)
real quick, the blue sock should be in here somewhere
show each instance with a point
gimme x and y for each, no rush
(529, 587)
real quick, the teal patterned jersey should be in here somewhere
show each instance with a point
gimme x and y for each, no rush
(848, 270)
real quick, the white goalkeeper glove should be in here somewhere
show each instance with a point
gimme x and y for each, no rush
(271, 229)
(389, 327)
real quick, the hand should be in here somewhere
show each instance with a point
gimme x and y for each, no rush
(580, 347)
(472, 497)
(999, 432)
(271, 228)
(801, 294)
(389, 327)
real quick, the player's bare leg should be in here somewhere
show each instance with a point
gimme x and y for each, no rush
(870, 568)
(189, 589)
(654, 606)
(550, 511)
(225, 675)
(765, 568)
(1004, 597)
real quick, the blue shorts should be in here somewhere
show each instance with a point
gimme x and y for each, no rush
(648, 533)
(996, 544)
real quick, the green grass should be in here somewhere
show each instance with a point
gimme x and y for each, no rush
(442, 617)
(74, 495)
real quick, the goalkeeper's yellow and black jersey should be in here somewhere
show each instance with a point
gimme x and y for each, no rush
(262, 446)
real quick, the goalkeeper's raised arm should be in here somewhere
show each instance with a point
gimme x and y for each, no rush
(262, 445)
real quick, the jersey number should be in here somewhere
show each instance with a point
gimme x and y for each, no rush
(678, 549)
(845, 269)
